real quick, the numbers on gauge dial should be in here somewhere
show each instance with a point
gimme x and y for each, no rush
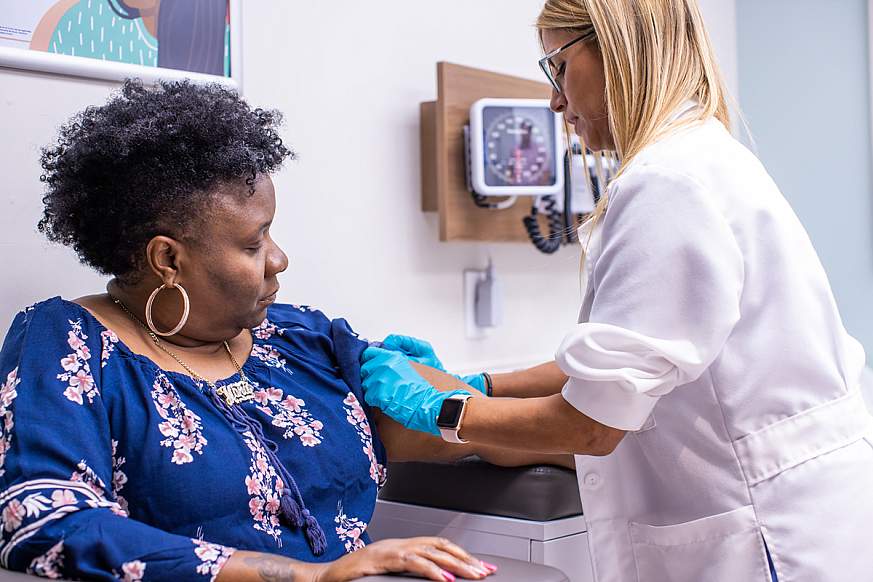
(516, 150)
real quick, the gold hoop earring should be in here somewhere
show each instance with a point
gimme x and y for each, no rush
(185, 312)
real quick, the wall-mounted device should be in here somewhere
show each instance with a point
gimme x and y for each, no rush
(515, 148)
(497, 170)
(483, 301)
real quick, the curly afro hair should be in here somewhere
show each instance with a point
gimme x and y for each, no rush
(146, 164)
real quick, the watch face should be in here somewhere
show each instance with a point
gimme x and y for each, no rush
(450, 413)
(519, 144)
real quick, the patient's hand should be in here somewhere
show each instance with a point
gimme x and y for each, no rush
(428, 557)
(403, 444)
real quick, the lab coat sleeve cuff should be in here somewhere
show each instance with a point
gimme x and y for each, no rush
(609, 404)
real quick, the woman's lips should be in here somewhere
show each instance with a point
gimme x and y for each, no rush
(269, 298)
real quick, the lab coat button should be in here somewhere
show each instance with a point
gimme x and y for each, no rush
(592, 481)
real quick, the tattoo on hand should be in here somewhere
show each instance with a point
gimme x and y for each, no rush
(272, 569)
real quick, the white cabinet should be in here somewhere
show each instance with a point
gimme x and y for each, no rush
(562, 543)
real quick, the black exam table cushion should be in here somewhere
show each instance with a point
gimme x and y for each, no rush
(538, 493)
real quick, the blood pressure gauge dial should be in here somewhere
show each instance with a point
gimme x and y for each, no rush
(515, 148)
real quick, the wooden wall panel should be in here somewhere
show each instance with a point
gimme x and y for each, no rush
(443, 168)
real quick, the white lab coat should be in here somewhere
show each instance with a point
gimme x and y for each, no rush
(709, 332)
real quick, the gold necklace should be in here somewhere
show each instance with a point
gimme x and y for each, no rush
(235, 393)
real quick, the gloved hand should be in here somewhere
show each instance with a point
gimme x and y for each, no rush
(421, 352)
(392, 385)
(417, 350)
(476, 381)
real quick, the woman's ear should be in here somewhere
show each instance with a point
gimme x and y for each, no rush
(163, 254)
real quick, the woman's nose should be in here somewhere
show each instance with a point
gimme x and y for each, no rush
(277, 261)
(557, 103)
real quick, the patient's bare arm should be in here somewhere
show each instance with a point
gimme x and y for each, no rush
(403, 444)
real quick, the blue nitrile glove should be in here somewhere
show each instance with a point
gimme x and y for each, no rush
(476, 381)
(392, 385)
(421, 352)
(417, 350)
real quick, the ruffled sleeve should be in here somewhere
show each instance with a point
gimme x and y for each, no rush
(666, 296)
(60, 516)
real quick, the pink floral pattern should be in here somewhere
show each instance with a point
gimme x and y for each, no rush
(85, 359)
(33, 505)
(263, 486)
(8, 393)
(267, 353)
(109, 340)
(181, 427)
(212, 557)
(77, 371)
(349, 530)
(85, 474)
(84, 490)
(356, 416)
(13, 514)
(62, 497)
(289, 413)
(49, 564)
(132, 571)
(118, 476)
(267, 329)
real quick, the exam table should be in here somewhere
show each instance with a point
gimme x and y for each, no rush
(532, 514)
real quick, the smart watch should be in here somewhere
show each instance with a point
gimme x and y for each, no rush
(450, 417)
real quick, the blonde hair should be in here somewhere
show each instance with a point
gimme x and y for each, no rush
(656, 56)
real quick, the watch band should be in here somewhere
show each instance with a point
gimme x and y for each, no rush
(450, 435)
(489, 384)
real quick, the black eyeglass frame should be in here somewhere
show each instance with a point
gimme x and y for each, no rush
(547, 65)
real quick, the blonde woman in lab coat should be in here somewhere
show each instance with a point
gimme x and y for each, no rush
(709, 390)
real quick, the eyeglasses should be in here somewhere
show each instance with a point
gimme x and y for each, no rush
(552, 72)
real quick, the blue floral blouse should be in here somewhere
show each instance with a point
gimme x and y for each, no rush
(113, 468)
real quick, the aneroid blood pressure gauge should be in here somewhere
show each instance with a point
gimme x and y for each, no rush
(515, 148)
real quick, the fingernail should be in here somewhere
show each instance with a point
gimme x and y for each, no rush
(490, 567)
(448, 576)
(481, 571)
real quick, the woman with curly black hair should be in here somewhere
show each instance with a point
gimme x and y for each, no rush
(182, 426)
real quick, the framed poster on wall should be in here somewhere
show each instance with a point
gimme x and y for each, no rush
(115, 39)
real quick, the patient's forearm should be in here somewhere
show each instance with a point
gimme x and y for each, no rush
(515, 458)
(543, 380)
(259, 567)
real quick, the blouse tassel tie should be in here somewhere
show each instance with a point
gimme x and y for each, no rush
(291, 505)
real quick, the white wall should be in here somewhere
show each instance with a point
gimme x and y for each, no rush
(807, 101)
(349, 77)
(721, 19)
(32, 106)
